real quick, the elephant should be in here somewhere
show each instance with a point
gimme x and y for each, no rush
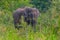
(30, 16)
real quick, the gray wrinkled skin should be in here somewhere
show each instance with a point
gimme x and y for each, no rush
(30, 16)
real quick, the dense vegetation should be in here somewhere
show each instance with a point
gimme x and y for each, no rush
(48, 27)
(42, 5)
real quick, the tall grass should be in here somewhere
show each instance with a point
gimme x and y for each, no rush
(48, 27)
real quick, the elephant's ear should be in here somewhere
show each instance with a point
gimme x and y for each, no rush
(28, 9)
(35, 12)
(38, 12)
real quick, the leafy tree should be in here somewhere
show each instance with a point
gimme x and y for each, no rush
(13, 4)
(42, 5)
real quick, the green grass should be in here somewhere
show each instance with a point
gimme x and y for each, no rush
(48, 27)
(9, 33)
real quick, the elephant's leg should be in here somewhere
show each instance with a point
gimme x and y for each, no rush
(17, 22)
(27, 21)
(33, 23)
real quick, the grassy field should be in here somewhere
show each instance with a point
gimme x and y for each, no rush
(48, 27)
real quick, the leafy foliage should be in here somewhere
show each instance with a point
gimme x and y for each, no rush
(42, 5)
(48, 26)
